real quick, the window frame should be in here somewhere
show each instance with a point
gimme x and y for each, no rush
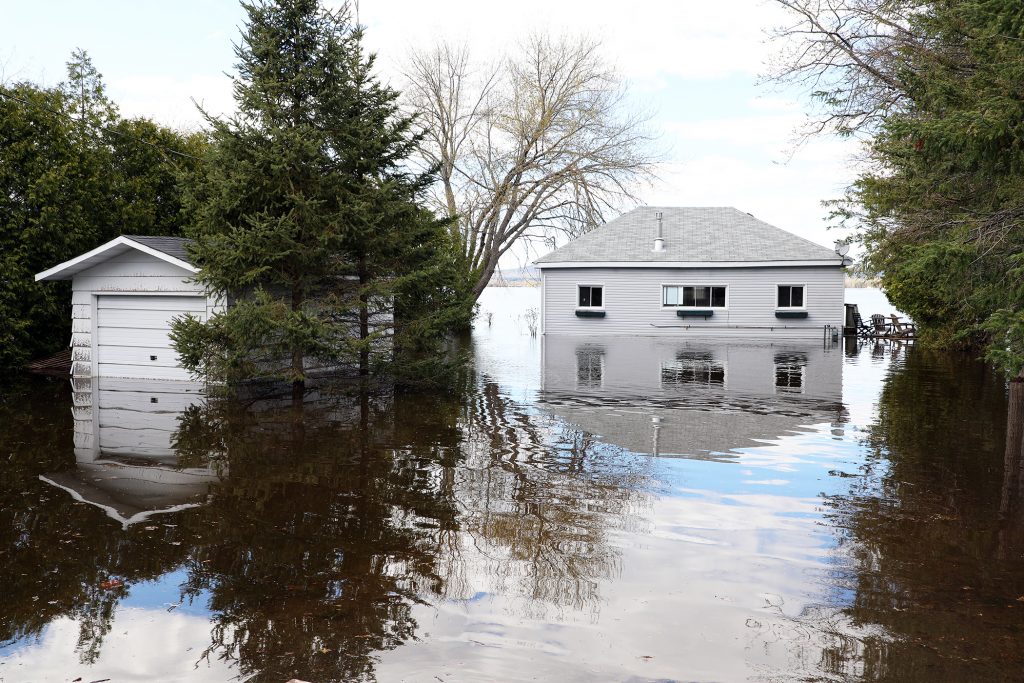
(802, 307)
(580, 285)
(682, 307)
(708, 365)
(789, 367)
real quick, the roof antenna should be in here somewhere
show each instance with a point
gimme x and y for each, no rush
(659, 242)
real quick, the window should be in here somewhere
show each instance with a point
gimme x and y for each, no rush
(704, 296)
(589, 366)
(789, 372)
(692, 368)
(591, 296)
(791, 296)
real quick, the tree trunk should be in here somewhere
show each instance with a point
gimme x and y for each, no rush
(364, 321)
(1011, 525)
(298, 357)
(485, 277)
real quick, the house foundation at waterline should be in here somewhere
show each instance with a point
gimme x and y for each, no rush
(692, 271)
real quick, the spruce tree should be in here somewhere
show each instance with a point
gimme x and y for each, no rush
(309, 219)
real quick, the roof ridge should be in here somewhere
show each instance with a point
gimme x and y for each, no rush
(158, 237)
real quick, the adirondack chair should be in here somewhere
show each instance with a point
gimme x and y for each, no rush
(879, 328)
(861, 328)
(902, 329)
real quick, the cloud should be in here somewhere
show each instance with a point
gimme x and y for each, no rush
(140, 643)
(649, 40)
(171, 100)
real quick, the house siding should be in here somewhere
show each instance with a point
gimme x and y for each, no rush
(632, 301)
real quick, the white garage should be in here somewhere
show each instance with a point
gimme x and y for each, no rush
(125, 294)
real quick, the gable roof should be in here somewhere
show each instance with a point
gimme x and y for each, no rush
(172, 246)
(693, 235)
(169, 249)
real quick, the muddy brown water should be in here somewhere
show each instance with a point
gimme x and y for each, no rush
(572, 510)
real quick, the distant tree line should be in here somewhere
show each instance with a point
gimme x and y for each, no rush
(935, 90)
(74, 173)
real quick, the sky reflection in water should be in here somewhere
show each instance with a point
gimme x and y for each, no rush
(811, 513)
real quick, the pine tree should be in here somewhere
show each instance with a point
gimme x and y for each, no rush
(308, 219)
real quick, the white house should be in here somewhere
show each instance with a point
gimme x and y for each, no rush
(691, 271)
(124, 295)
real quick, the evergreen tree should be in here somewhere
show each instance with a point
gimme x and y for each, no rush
(308, 218)
(937, 88)
(945, 202)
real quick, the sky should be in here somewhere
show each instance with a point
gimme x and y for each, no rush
(725, 139)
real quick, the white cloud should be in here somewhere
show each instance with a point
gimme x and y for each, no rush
(648, 40)
(169, 99)
(141, 642)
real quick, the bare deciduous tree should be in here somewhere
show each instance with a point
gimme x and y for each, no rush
(853, 57)
(537, 144)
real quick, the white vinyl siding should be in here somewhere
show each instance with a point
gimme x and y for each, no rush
(633, 301)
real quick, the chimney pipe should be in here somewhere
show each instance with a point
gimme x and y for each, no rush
(659, 242)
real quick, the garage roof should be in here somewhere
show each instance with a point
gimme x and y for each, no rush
(170, 249)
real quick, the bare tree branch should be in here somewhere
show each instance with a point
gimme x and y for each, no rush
(854, 57)
(538, 144)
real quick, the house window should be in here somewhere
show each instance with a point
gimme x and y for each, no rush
(591, 296)
(691, 368)
(789, 372)
(790, 296)
(589, 366)
(693, 296)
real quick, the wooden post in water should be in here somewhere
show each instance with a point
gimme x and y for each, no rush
(1011, 523)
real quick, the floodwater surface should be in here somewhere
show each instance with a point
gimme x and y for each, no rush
(573, 509)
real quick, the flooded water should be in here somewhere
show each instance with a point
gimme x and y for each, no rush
(577, 509)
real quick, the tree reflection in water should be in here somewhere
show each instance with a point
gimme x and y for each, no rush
(931, 531)
(539, 499)
(320, 540)
(333, 520)
(331, 527)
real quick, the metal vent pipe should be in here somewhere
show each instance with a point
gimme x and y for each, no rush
(659, 241)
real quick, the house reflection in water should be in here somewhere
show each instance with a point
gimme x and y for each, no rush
(690, 398)
(126, 461)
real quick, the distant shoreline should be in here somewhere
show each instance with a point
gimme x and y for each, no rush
(862, 282)
(515, 283)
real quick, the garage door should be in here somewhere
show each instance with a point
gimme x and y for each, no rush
(132, 335)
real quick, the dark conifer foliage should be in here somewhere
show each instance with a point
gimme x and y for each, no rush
(935, 90)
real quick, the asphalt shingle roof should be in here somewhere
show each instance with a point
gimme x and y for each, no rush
(692, 234)
(172, 246)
